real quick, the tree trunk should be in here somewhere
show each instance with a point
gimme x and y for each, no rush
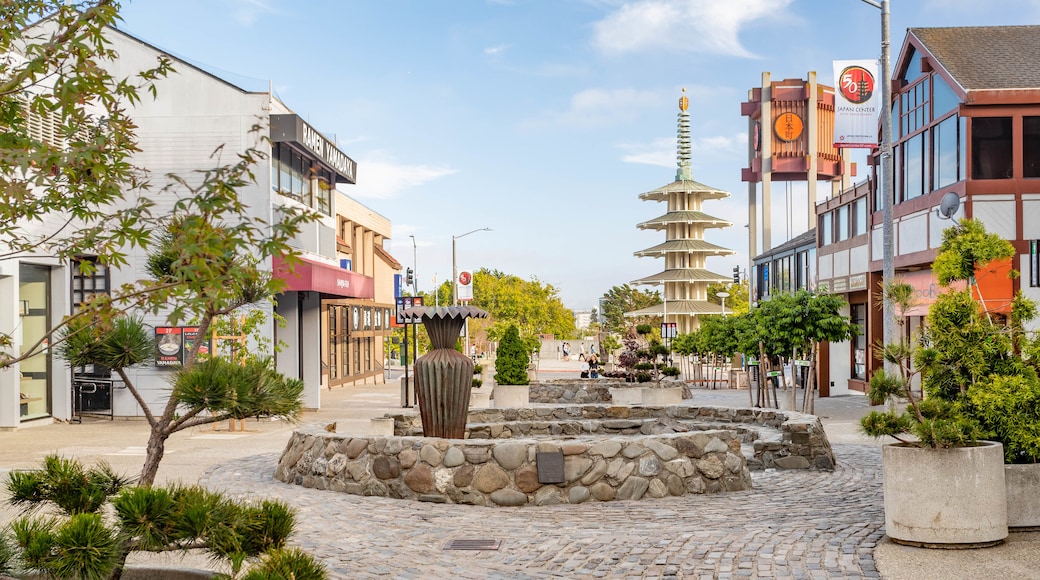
(153, 455)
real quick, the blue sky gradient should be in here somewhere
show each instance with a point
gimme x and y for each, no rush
(541, 119)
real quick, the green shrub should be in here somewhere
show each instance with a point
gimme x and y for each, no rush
(1009, 408)
(670, 371)
(477, 383)
(512, 360)
(86, 541)
(643, 378)
(477, 369)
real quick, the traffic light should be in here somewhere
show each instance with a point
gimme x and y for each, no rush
(409, 277)
(736, 274)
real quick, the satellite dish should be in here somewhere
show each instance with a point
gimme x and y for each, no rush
(949, 205)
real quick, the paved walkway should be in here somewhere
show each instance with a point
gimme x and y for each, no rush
(791, 525)
(794, 524)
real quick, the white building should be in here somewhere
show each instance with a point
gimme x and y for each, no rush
(194, 114)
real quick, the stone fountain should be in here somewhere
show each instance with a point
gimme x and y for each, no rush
(443, 376)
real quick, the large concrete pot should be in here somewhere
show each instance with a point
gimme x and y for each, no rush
(945, 498)
(512, 396)
(1023, 495)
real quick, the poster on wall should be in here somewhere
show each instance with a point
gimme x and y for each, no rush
(857, 103)
(169, 346)
(190, 335)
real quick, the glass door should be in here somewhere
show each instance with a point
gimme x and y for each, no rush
(34, 301)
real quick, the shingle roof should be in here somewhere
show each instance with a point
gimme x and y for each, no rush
(986, 57)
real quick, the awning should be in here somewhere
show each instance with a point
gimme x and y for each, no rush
(312, 276)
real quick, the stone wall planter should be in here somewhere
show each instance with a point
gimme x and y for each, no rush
(946, 498)
(510, 396)
(1023, 495)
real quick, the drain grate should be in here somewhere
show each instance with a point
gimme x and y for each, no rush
(473, 545)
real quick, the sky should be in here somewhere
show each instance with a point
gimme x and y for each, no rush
(542, 120)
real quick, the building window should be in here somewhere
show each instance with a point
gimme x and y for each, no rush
(859, 342)
(945, 160)
(1031, 146)
(913, 167)
(859, 217)
(913, 113)
(943, 98)
(826, 228)
(991, 156)
(842, 225)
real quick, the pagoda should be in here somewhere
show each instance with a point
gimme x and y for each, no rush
(685, 277)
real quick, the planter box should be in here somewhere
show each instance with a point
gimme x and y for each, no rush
(661, 396)
(479, 399)
(1023, 495)
(508, 396)
(626, 395)
(945, 498)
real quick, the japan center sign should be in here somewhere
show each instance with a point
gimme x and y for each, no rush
(857, 103)
(465, 286)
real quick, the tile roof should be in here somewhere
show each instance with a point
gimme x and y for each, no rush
(986, 57)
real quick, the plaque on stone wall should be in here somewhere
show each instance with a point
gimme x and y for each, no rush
(550, 467)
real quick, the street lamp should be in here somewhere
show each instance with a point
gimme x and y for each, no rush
(415, 268)
(888, 250)
(724, 296)
(454, 266)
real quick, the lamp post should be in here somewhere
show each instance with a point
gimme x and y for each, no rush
(455, 281)
(888, 249)
(415, 268)
(454, 266)
(724, 296)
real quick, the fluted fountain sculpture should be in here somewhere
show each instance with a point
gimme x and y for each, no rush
(443, 376)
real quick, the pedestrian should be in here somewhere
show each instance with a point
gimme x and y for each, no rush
(592, 349)
(566, 351)
(581, 350)
(585, 369)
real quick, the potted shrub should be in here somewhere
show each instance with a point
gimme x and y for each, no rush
(985, 359)
(943, 485)
(511, 378)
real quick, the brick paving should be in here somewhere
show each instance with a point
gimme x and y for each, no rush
(793, 524)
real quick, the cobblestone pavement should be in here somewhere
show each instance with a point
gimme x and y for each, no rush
(793, 524)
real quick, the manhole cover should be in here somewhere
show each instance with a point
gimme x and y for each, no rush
(473, 545)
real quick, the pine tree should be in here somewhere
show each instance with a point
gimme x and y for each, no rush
(511, 362)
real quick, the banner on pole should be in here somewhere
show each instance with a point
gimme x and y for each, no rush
(857, 103)
(465, 284)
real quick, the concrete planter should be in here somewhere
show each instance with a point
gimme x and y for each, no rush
(508, 396)
(479, 399)
(626, 395)
(945, 498)
(1023, 489)
(661, 396)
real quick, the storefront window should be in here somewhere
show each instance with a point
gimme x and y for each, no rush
(33, 296)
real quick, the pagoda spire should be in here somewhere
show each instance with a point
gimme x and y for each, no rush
(685, 172)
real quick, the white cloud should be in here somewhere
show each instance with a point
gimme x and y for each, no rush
(598, 107)
(706, 26)
(247, 11)
(662, 152)
(495, 50)
(381, 178)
